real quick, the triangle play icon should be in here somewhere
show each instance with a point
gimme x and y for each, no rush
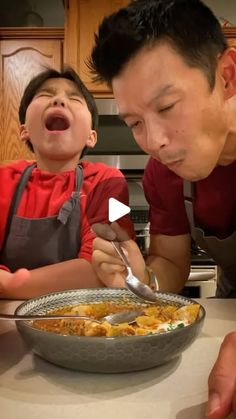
(116, 209)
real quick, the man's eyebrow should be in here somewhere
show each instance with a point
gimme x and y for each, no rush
(161, 92)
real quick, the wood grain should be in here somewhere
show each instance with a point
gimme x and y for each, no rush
(21, 59)
(82, 18)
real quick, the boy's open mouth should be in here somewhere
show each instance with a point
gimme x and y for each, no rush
(57, 123)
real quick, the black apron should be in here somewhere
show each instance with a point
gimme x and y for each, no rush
(222, 251)
(35, 242)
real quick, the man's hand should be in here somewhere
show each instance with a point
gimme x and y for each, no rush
(10, 282)
(222, 381)
(107, 264)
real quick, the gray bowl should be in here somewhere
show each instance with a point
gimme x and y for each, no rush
(104, 354)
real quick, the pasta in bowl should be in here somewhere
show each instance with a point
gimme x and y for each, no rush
(163, 330)
(158, 318)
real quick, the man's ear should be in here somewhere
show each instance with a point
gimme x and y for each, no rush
(91, 141)
(227, 64)
(24, 135)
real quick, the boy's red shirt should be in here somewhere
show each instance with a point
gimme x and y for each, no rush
(46, 192)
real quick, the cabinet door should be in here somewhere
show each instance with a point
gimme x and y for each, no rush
(232, 42)
(21, 60)
(82, 18)
(230, 34)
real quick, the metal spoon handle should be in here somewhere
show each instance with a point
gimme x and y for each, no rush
(137, 287)
(45, 317)
(121, 253)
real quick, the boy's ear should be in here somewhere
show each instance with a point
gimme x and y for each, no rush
(91, 141)
(24, 135)
(228, 72)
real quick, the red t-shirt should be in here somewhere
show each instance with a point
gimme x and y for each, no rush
(214, 202)
(46, 192)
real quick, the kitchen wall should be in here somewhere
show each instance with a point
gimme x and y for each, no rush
(223, 8)
(51, 13)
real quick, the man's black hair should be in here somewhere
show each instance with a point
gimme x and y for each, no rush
(189, 26)
(67, 73)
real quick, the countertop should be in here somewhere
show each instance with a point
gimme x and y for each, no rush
(31, 388)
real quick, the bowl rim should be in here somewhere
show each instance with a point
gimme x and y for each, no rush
(160, 335)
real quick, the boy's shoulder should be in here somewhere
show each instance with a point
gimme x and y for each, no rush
(14, 166)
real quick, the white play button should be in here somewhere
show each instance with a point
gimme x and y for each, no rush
(116, 209)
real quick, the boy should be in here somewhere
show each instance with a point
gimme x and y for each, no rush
(46, 229)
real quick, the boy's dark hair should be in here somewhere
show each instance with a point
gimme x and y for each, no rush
(188, 26)
(67, 73)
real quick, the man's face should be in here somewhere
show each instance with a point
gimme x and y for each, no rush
(58, 122)
(173, 114)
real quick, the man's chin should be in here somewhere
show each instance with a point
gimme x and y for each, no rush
(190, 175)
(195, 177)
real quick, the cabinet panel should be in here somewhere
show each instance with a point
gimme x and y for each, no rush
(82, 19)
(21, 60)
(230, 33)
(232, 42)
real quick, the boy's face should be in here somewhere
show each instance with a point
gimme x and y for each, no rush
(174, 115)
(58, 122)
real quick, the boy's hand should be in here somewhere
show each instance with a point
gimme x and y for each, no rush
(10, 282)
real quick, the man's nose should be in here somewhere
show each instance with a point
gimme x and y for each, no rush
(156, 138)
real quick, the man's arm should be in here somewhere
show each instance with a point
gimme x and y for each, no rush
(169, 258)
(23, 284)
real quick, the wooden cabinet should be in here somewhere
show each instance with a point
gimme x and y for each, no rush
(82, 18)
(230, 34)
(24, 53)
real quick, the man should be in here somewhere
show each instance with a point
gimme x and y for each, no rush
(47, 207)
(174, 80)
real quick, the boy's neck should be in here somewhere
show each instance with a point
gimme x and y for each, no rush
(57, 166)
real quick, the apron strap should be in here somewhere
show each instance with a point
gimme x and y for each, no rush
(16, 198)
(69, 205)
(188, 189)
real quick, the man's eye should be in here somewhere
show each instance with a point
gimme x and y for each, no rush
(167, 108)
(134, 124)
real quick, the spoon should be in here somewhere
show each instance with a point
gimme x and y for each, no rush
(114, 319)
(137, 287)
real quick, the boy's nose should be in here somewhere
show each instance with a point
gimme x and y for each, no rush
(58, 101)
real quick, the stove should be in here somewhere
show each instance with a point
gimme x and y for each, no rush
(203, 275)
(202, 259)
(199, 256)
